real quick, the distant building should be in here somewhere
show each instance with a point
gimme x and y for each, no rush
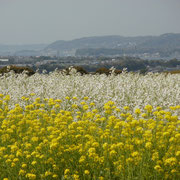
(4, 60)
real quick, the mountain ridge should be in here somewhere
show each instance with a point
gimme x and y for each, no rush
(167, 44)
(142, 44)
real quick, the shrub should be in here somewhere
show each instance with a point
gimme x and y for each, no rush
(106, 71)
(78, 69)
(102, 70)
(117, 71)
(173, 72)
(17, 70)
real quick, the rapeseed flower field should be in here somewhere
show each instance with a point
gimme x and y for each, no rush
(52, 128)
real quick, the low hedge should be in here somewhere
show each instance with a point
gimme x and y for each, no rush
(17, 70)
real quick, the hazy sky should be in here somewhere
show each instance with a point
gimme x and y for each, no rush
(45, 21)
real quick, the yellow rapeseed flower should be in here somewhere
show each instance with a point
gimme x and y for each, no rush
(86, 172)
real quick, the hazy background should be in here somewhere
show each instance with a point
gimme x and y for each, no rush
(45, 21)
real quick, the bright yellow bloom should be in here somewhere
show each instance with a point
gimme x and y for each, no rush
(67, 171)
(22, 172)
(33, 163)
(86, 98)
(148, 145)
(137, 111)
(158, 168)
(30, 176)
(86, 172)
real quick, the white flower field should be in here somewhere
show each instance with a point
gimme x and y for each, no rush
(126, 89)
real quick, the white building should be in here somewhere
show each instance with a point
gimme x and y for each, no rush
(4, 60)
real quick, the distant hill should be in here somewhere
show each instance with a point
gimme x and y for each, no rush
(166, 45)
(27, 53)
(146, 47)
(16, 49)
(97, 42)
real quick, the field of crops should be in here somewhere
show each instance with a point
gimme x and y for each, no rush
(55, 126)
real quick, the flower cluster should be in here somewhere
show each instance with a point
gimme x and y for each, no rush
(46, 138)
